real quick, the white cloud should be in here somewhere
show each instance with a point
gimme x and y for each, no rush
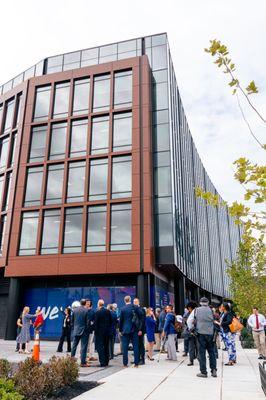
(33, 30)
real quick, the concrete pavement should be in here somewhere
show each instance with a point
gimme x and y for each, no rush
(169, 380)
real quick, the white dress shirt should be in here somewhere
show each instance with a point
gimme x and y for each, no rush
(252, 322)
(190, 320)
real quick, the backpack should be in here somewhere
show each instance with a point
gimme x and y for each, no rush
(135, 320)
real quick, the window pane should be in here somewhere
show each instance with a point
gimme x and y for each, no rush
(159, 57)
(72, 60)
(9, 115)
(162, 137)
(13, 148)
(73, 230)
(81, 96)
(18, 111)
(42, 103)
(34, 186)
(96, 234)
(123, 89)
(164, 230)
(163, 205)
(78, 146)
(98, 179)
(29, 231)
(7, 192)
(122, 128)
(58, 141)
(2, 180)
(4, 143)
(54, 64)
(120, 227)
(162, 181)
(55, 184)
(2, 232)
(76, 180)
(129, 45)
(38, 143)
(160, 97)
(100, 135)
(121, 177)
(61, 101)
(50, 233)
(101, 93)
(1, 114)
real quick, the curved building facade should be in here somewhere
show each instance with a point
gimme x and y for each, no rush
(98, 171)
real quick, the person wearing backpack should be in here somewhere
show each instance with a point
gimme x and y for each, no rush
(130, 329)
(204, 326)
(169, 331)
(229, 337)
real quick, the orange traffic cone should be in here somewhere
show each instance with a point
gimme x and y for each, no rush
(36, 348)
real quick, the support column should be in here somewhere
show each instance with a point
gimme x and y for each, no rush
(198, 294)
(13, 308)
(180, 295)
(143, 289)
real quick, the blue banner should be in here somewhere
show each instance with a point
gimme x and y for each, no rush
(52, 299)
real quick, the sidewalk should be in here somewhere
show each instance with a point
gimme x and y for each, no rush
(170, 380)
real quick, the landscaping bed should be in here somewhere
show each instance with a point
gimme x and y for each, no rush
(31, 380)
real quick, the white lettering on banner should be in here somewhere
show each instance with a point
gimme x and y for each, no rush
(50, 313)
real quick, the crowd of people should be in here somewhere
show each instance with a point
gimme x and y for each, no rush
(202, 327)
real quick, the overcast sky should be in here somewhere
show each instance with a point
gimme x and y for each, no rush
(32, 30)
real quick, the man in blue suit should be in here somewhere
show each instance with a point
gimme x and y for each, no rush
(130, 328)
(80, 324)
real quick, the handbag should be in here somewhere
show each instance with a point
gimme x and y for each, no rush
(235, 326)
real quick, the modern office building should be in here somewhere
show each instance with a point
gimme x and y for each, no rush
(98, 171)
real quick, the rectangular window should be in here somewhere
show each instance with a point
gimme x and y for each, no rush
(4, 147)
(28, 236)
(89, 57)
(13, 149)
(42, 103)
(121, 227)
(10, 106)
(96, 234)
(122, 132)
(71, 60)
(18, 111)
(73, 230)
(38, 143)
(76, 180)
(98, 179)
(101, 93)
(162, 181)
(54, 64)
(7, 191)
(61, 100)
(160, 96)
(34, 186)
(79, 134)
(2, 181)
(2, 232)
(123, 89)
(159, 57)
(164, 230)
(121, 177)
(81, 97)
(1, 117)
(50, 232)
(100, 135)
(58, 141)
(54, 184)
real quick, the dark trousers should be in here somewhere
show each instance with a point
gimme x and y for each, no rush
(84, 338)
(126, 339)
(206, 343)
(186, 343)
(102, 347)
(192, 348)
(141, 348)
(66, 334)
(111, 346)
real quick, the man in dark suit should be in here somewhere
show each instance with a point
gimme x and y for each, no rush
(142, 328)
(129, 326)
(102, 325)
(80, 323)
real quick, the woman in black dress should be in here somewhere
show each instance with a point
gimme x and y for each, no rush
(66, 331)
